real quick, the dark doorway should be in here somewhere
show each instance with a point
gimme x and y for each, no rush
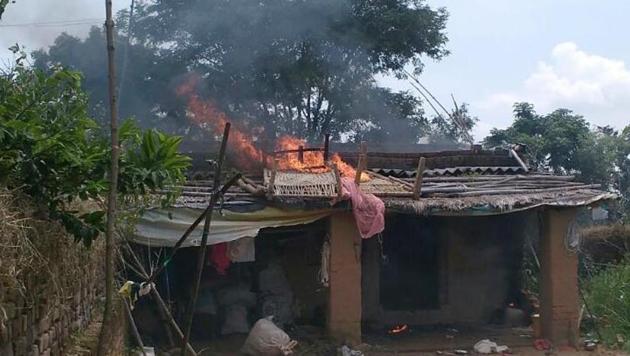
(410, 264)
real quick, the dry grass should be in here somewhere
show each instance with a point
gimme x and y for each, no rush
(38, 259)
(600, 232)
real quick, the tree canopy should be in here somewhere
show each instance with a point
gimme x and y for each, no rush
(298, 67)
(53, 151)
(564, 142)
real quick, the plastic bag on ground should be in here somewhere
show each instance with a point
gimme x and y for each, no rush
(486, 346)
(266, 339)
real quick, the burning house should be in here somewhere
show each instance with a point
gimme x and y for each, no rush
(404, 240)
(455, 231)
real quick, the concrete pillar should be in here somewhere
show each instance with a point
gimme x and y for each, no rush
(344, 303)
(559, 303)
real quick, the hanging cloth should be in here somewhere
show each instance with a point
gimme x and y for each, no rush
(219, 259)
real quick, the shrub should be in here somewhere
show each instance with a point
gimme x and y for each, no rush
(53, 151)
(608, 296)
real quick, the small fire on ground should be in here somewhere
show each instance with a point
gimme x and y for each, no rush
(398, 329)
(246, 155)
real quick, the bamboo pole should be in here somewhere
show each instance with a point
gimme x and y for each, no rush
(108, 312)
(159, 301)
(251, 189)
(201, 254)
(134, 327)
(417, 185)
(519, 160)
(359, 170)
(193, 226)
(488, 178)
(272, 178)
(391, 179)
(362, 163)
(524, 191)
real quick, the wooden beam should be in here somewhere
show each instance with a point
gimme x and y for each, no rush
(272, 178)
(417, 185)
(201, 253)
(519, 160)
(326, 147)
(301, 154)
(362, 163)
(338, 179)
(159, 301)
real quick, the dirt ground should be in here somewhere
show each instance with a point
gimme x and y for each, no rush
(434, 342)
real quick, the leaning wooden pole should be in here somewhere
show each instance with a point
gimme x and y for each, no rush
(158, 299)
(201, 254)
(107, 328)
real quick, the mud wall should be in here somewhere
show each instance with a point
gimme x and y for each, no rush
(479, 259)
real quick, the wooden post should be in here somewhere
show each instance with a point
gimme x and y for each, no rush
(362, 163)
(108, 312)
(326, 147)
(417, 185)
(519, 160)
(201, 255)
(338, 179)
(263, 158)
(301, 154)
(272, 178)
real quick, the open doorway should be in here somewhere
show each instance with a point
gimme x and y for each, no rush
(410, 265)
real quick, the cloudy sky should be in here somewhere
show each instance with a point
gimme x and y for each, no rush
(560, 53)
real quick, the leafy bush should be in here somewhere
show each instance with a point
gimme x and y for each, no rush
(608, 296)
(52, 150)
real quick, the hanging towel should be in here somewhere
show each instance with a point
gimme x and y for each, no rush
(219, 258)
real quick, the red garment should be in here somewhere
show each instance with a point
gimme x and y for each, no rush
(219, 257)
(368, 210)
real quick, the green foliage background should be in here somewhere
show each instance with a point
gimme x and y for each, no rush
(52, 150)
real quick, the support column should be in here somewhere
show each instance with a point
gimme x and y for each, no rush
(344, 301)
(559, 302)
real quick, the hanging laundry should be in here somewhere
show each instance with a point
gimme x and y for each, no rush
(219, 259)
(131, 291)
(368, 209)
(242, 250)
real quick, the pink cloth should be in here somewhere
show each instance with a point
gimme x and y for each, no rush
(368, 210)
(219, 258)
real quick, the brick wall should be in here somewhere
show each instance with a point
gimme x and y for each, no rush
(50, 292)
(43, 326)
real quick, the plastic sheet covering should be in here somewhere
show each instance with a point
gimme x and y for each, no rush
(163, 227)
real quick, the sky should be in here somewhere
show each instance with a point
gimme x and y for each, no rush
(555, 54)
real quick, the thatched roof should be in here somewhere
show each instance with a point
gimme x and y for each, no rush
(499, 185)
(495, 204)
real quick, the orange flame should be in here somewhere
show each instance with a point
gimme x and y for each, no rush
(205, 114)
(312, 161)
(398, 329)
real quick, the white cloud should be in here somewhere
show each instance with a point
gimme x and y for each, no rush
(591, 85)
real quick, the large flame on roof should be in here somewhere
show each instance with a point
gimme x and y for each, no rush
(205, 114)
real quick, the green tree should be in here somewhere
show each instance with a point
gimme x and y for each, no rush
(53, 151)
(563, 142)
(298, 67)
